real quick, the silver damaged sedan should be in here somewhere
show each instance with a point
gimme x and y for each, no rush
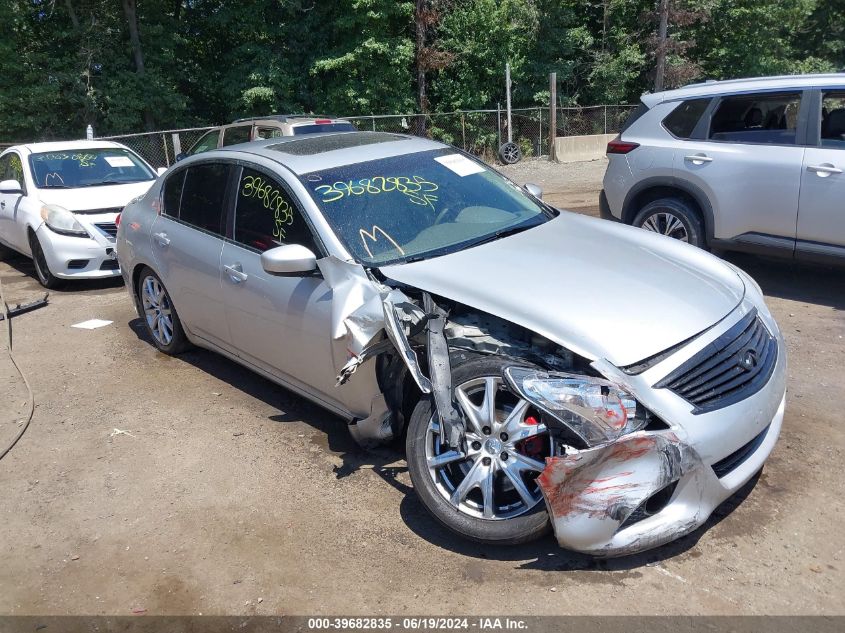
(548, 370)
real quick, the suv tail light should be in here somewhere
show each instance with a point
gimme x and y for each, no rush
(617, 146)
(117, 221)
(322, 121)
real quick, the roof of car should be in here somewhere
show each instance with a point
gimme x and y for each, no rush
(58, 146)
(304, 154)
(712, 88)
(290, 118)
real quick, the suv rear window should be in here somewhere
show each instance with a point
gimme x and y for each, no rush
(316, 128)
(636, 114)
(683, 119)
(759, 118)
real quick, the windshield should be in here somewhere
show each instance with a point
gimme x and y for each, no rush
(419, 205)
(76, 168)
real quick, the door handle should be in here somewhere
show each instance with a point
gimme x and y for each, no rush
(698, 159)
(236, 273)
(823, 170)
(3, 204)
(162, 239)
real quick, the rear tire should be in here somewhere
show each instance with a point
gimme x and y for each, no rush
(673, 217)
(472, 517)
(159, 314)
(42, 269)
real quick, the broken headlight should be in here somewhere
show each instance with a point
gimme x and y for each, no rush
(597, 410)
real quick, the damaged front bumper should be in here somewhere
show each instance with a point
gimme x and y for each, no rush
(651, 487)
(598, 498)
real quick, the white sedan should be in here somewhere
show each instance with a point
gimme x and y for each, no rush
(59, 203)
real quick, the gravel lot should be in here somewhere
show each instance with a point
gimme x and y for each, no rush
(224, 494)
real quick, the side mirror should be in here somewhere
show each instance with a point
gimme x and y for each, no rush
(10, 186)
(534, 190)
(161, 170)
(288, 259)
(180, 156)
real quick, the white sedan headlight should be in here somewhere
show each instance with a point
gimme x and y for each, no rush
(597, 410)
(62, 221)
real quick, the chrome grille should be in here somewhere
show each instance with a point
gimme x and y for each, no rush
(730, 369)
(109, 228)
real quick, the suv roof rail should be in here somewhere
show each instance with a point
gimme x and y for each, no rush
(284, 117)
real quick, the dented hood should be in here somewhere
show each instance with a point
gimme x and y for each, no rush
(601, 289)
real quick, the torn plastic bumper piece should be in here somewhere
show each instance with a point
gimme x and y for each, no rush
(440, 369)
(592, 494)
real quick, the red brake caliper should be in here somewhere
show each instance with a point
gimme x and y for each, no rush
(533, 446)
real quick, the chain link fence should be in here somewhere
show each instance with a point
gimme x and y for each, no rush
(160, 149)
(480, 132)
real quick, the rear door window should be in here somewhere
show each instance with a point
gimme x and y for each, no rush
(237, 134)
(266, 215)
(682, 120)
(203, 201)
(757, 118)
(173, 193)
(833, 120)
(206, 143)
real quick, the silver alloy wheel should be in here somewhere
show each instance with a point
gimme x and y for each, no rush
(666, 223)
(158, 310)
(489, 480)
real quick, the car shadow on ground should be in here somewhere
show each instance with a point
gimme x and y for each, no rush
(27, 280)
(545, 554)
(786, 279)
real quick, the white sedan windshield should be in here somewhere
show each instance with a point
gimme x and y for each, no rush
(70, 169)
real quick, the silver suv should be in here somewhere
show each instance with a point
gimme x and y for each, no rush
(748, 164)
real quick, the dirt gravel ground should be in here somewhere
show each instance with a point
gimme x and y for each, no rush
(189, 485)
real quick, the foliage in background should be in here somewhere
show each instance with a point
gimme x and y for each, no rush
(67, 63)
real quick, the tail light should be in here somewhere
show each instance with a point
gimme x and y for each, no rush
(117, 221)
(617, 146)
(322, 121)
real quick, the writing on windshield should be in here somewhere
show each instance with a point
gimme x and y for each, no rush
(419, 205)
(87, 168)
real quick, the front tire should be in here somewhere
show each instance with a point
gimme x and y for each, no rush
(485, 492)
(42, 269)
(159, 314)
(672, 217)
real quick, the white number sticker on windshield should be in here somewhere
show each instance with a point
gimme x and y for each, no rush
(459, 164)
(119, 161)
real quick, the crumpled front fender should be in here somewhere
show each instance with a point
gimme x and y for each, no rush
(590, 494)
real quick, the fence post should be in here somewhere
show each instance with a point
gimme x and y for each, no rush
(499, 124)
(605, 119)
(373, 119)
(177, 144)
(540, 134)
(166, 154)
(552, 115)
(464, 130)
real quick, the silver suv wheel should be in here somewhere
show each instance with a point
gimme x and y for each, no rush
(667, 224)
